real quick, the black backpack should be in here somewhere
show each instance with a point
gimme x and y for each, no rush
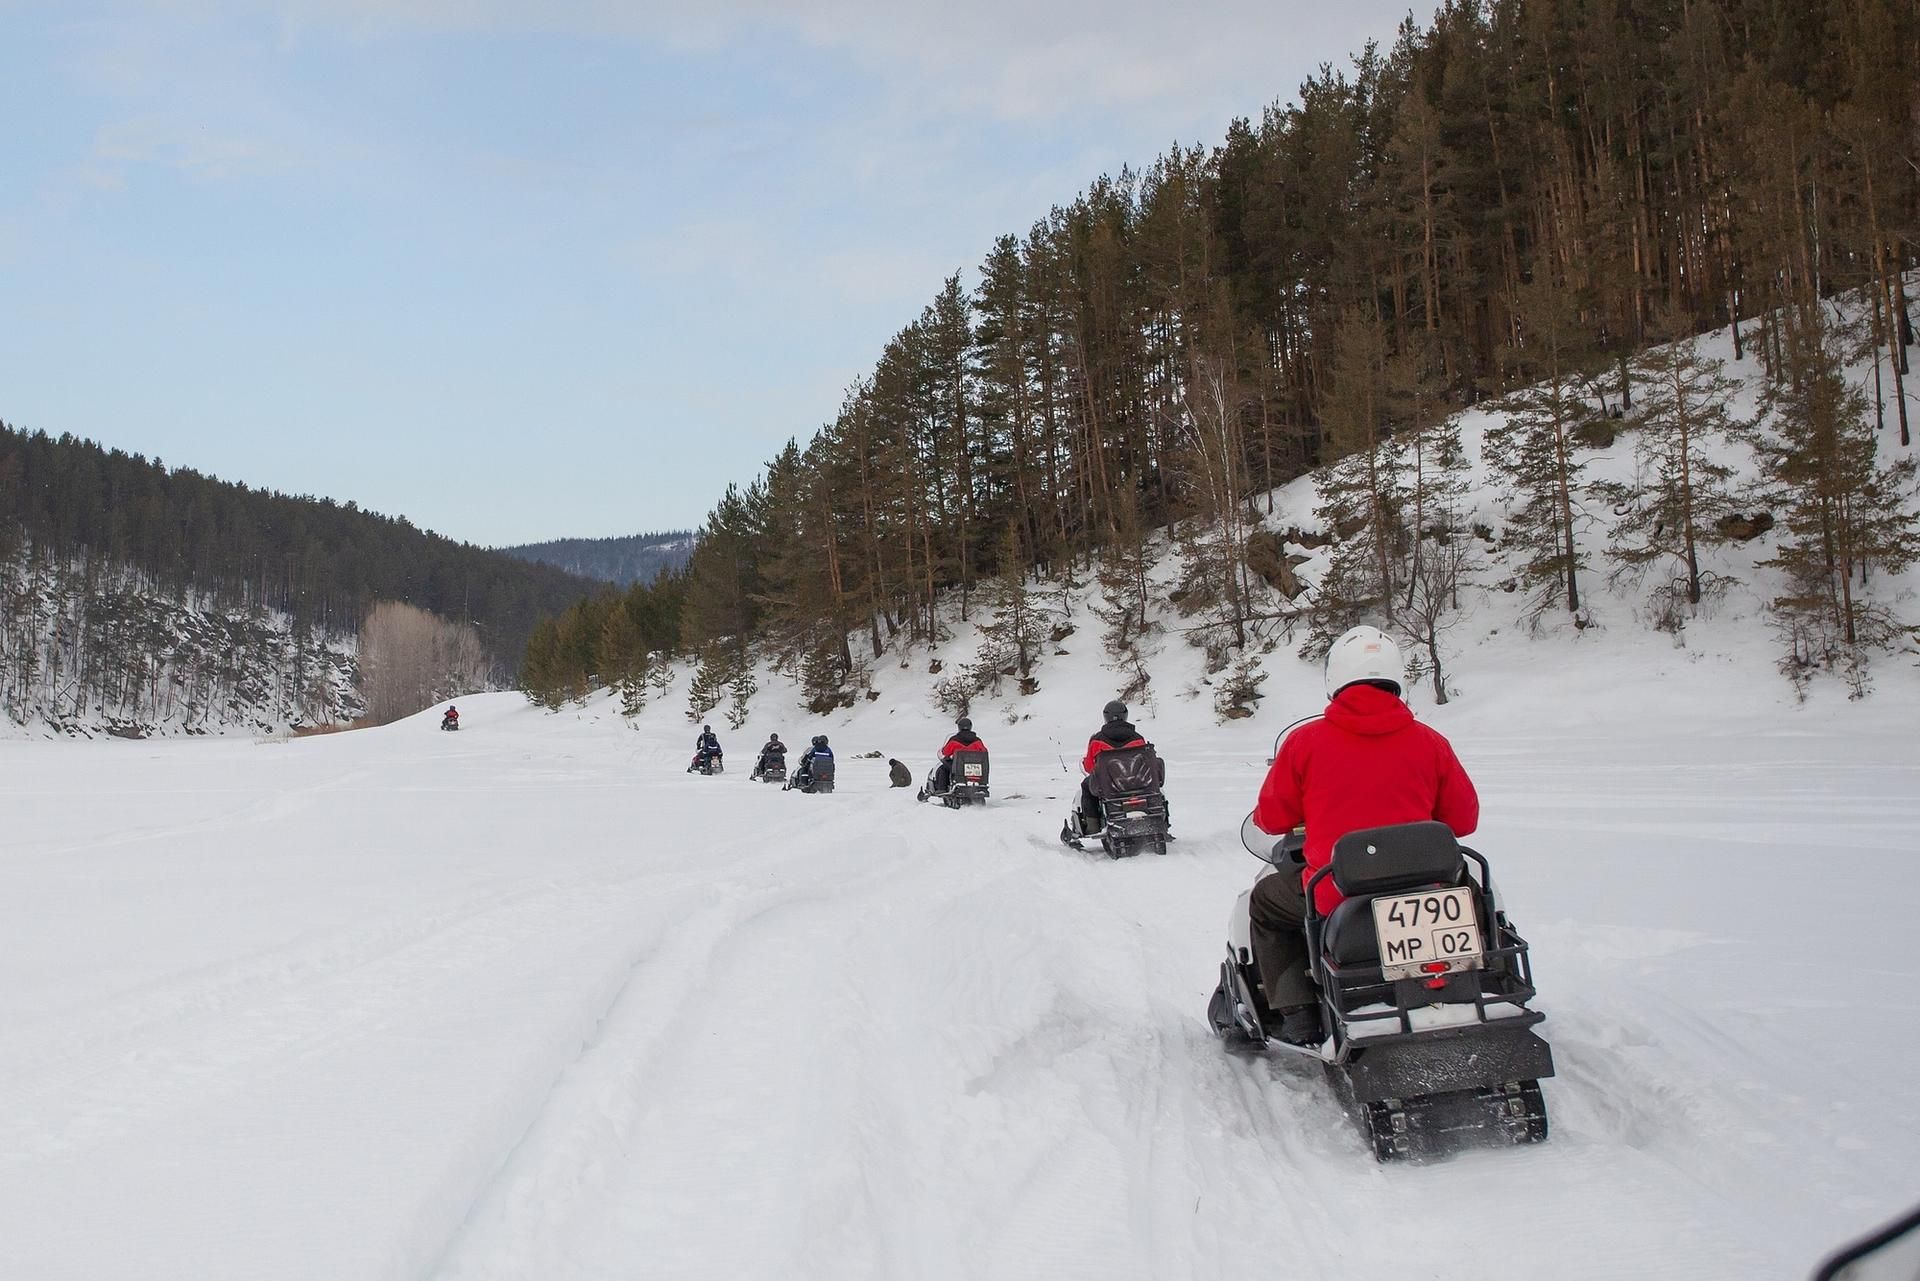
(1127, 771)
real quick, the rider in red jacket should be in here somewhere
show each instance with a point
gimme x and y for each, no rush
(1366, 763)
(1116, 732)
(963, 739)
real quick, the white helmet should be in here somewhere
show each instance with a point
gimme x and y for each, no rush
(1364, 654)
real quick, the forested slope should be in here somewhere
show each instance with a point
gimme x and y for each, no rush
(316, 560)
(635, 558)
(135, 596)
(1522, 202)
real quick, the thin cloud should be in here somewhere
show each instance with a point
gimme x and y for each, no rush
(1012, 59)
(882, 274)
(731, 248)
(188, 148)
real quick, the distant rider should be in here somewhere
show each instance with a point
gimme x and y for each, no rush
(705, 748)
(963, 739)
(1365, 763)
(452, 717)
(818, 750)
(1117, 732)
(775, 752)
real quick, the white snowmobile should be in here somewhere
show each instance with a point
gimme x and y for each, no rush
(966, 781)
(1134, 817)
(1423, 987)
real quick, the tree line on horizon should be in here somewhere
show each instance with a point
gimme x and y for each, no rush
(621, 560)
(1514, 203)
(185, 535)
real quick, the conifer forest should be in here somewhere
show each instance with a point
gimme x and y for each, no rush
(1515, 204)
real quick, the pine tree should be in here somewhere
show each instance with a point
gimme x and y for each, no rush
(740, 694)
(718, 670)
(1362, 493)
(1534, 448)
(635, 686)
(1021, 621)
(1682, 488)
(1442, 551)
(1212, 540)
(1125, 594)
(1842, 511)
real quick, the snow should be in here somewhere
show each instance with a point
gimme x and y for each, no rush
(530, 1001)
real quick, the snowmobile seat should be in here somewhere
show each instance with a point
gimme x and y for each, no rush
(968, 768)
(1127, 771)
(820, 769)
(1348, 938)
(1392, 860)
(1384, 860)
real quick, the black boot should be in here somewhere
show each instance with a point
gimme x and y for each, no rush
(1300, 1025)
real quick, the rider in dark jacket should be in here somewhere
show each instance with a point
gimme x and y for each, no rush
(817, 750)
(705, 747)
(775, 752)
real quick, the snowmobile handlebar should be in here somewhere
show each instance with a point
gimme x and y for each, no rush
(1281, 851)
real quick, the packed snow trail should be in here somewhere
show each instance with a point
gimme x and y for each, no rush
(531, 1002)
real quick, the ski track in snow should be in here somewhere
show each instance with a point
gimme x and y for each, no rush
(532, 1003)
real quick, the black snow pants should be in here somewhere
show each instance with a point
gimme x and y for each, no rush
(1277, 912)
(1092, 817)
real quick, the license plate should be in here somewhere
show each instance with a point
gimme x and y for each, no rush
(972, 770)
(1432, 932)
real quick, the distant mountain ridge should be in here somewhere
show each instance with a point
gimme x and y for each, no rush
(634, 558)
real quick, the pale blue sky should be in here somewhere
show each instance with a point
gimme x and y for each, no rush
(520, 271)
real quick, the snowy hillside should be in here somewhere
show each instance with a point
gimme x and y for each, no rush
(88, 647)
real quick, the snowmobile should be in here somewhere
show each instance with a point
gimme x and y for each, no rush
(770, 769)
(707, 762)
(1134, 817)
(1424, 986)
(812, 776)
(966, 781)
(449, 722)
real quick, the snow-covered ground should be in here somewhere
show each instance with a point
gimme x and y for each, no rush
(532, 1002)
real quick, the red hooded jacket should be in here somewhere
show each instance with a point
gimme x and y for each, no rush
(1367, 763)
(1112, 735)
(955, 744)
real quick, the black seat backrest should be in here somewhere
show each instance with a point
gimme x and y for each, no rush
(1384, 860)
(968, 766)
(822, 768)
(1126, 771)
